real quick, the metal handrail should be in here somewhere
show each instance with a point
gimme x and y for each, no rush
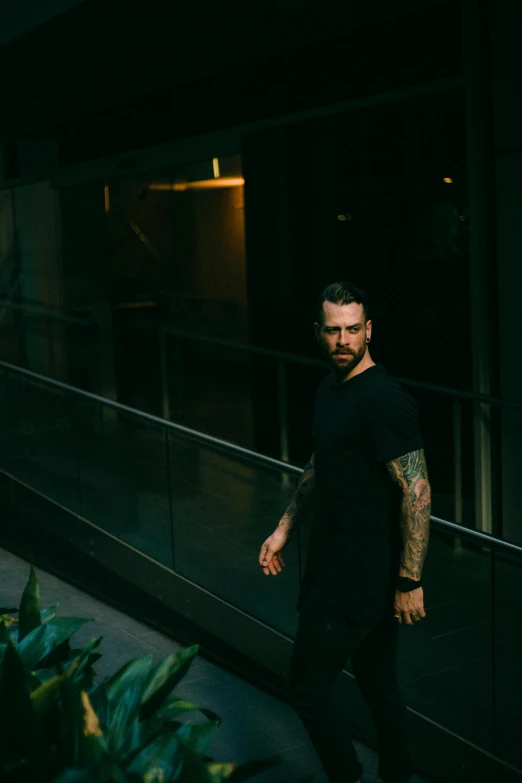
(496, 544)
(179, 428)
(47, 312)
(296, 359)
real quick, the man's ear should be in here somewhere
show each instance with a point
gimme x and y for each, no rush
(317, 330)
(368, 327)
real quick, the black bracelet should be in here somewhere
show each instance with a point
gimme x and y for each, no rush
(406, 585)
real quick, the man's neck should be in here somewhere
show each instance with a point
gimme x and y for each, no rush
(363, 365)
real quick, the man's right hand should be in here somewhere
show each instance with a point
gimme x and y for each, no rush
(271, 555)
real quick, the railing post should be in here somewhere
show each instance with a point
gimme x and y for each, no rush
(457, 459)
(169, 493)
(282, 405)
(457, 466)
(50, 345)
(165, 397)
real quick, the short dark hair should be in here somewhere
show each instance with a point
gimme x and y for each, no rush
(343, 294)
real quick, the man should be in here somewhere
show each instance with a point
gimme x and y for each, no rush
(369, 482)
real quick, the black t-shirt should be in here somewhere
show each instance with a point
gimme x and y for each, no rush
(354, 554)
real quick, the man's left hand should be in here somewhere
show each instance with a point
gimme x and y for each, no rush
(409, 607)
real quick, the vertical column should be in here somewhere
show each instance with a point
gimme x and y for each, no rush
(3, 160)
(267, 219)
(87, 246)
(321, 227)
(482, 304)
(269, 269)
(507, 75)
(105, 381)
(12, 346)
(291, 252)
(38, 239)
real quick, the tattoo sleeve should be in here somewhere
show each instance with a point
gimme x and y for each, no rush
(300, 497)
(411, 475)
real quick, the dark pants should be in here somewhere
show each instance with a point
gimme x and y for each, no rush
(321, 650)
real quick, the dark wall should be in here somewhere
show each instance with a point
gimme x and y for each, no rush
(403, 235)
(153, 76)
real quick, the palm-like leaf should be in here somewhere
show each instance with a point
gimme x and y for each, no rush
(21, 737)
(29, 614)
(197, 736)
(252, 768)
(218, 772)
(48, 614)
(165, 676)
(83, 743)
(174, 707)
(124, 696)
(40, 642)
(166, 752)
(82, 662)
(5, 638)
(143, 733)
(106, 771)
(47, 693)
(9, 621)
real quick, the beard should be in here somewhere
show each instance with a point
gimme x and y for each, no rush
(342, 367)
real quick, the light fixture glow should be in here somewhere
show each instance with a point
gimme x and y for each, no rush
(215, 166)
(107, 198)
(447, 180)
(202, 184)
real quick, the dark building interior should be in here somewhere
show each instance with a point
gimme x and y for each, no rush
(178, 182)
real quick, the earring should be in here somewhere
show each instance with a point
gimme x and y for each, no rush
(367, 339)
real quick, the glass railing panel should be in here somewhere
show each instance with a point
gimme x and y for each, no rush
(42, 440)
(223, 510)
(84, 359)
(443, 438)
(5, 423)
(266, 403)
(507, 651)
(189, 368)
(445, 665)
(258, 400)
(124, 479)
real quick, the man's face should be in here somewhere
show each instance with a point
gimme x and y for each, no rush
(342, 336)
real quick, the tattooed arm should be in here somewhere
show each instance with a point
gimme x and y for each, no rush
(300, 497)
(411, 475)
(271, 555)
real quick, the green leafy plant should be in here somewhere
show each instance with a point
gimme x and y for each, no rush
(63, 727)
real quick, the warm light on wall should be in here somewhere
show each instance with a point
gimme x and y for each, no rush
(107, 197)
(447, 180)
(202, 184)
